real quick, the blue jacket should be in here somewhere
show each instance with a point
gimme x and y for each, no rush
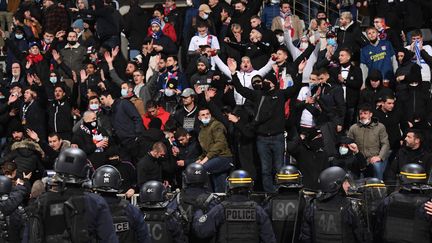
(126, 121)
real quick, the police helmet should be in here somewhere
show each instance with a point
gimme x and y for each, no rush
(412, 174)
(195, 174)
(374, 189)
(106, 179)
(5, 185)
(240, 179)
(331, 179)
(289, 176)
(152, 192)
(72, 166)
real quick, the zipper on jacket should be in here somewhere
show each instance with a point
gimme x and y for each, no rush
(55, 119)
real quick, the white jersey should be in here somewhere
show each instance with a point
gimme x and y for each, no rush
(306, 118)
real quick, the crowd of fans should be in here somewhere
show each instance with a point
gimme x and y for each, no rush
(245, 84)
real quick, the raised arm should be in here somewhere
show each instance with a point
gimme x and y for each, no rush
(222, 66)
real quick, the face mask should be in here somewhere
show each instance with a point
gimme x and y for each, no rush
(265, 86)
(365, 121)
(72, 43)
(169, 92)
(274, 1)
(124, 92)
(47, 41)
(343, 150)
(257, 86)
(331, 42)
(2, 97)
(53, 80)
(205, 16)
(162, 70)
(91, 125)
(19, 36)
(312, 86)
(94, 107)
(280, 39)
(316, 144)
(169, 68)
(206, 121)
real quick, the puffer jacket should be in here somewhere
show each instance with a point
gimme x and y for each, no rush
(26, 154)
(372, 139)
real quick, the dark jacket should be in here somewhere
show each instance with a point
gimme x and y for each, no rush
(108, 21)
(394, 123)
(85, 140)
(371, 95)
(351, 38)
(353, 163)
(126, 121)
(33, 116)
(406, 156)
(414, 100)
(353, 83)
(332, 103)
(60, 116)
(26, 154)
(136, 20)
(269, 106)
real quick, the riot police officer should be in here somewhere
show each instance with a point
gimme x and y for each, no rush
(70, 214)
(372, 192)
(285, 208)
(238, 219)
(401, 216)
(194, 195)
(332, 216)
(163, 223)
(11, 211)
(128, 221)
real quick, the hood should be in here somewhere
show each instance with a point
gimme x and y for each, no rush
(374, 74)
(29, 145)
(407, 57)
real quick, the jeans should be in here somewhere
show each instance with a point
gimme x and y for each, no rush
(379, 168)
(271, 152)
(218, 167)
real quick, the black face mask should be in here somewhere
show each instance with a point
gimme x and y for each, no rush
(114, 162)
(315, 144)
(257, 86)
(162, 70)
(91, 125)
(72, 43)
(266, 86)
(170, 68)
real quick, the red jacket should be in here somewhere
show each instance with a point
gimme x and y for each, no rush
(167, 30)
(161, 114)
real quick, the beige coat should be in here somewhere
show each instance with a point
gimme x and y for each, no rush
(297, 24)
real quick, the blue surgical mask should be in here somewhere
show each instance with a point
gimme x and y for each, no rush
(94, 107)
(331, 42)
(124, 92)
(19, 36)
(53, 80)
(343, 150)
(206, 121)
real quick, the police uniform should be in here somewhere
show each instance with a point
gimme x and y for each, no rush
(285, 208)
(163, 223)
(193, 196)
(237, 219)
(11, 213)
(401, 216)
(128, 221)
(332, 217)
(185, 205)
(71, 214)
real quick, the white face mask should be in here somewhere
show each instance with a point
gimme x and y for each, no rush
(205, 16)
(280, 39)
(94, 107)
(343, 150)
(303, 46)
(365, 121)
(124, 92)
(169, 92)
(206, 121)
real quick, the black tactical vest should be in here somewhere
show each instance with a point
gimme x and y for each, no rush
(286, 216)
(241, 223)
(122, 224)
(403, 222)
(328, 222)
(63, 217)
(187, 207)
(156, 223)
